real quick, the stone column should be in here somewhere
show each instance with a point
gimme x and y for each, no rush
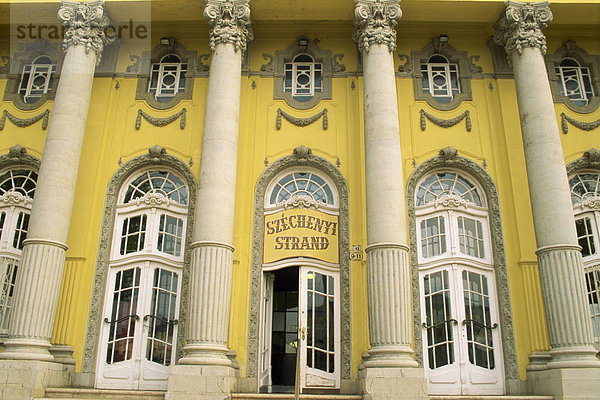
(388, 277)
(212, 251)
(559, 257)
(42, 261)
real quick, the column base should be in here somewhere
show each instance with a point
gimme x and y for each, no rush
(201, 382)
(206, 354)
(389, 357)
(25, 379)
(565, 383)
(27, 349)
(392, 383)
(573, 357)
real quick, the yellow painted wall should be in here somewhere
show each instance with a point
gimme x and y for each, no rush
(111, 139)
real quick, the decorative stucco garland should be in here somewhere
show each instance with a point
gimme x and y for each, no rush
(301, 122)
(445, 123)
(25, 122)
(584, 126)
(160, 122)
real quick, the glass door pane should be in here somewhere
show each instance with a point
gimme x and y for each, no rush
(123, 316)
(438, 319)
(478, 323)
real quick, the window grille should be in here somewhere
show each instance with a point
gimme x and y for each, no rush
(36, 79)
(167, 78)
(303, 78)
(440, 78)
(575, 81)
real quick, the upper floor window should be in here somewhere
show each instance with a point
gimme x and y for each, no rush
(585, 195)
(305, 184)
(303, 78)
(575, 81)
(36, 79)
(17, 187)
(167, 78)
(451, 218)
(440, 78)
(573, 74)
(152, 215)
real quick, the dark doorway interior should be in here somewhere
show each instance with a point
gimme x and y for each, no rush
(285, 330)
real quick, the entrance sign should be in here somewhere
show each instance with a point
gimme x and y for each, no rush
(301, 233)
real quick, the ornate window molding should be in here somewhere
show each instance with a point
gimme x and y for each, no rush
(570, 50)
(449, 159)
(15, 205)
(20, 61)
(145, 72)
(156, 157)
(466, 71)
(302, 158)
(284, 63)
(584, 180)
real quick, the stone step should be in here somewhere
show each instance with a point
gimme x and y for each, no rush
(490, 397)
(102, 394)
(286, 396)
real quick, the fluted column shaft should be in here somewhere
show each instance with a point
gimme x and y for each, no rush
(42, 261)
(212, 250)
(388, 279)
(559, 256)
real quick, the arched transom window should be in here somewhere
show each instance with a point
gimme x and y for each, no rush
(302, 185)
(144, 282)
(17, 187)
(585, 195)
(457, 284)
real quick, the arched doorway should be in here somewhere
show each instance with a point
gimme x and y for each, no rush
(300, 238)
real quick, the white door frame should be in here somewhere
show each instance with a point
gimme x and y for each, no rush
(461, 377)
(137, 373)
(317, 379)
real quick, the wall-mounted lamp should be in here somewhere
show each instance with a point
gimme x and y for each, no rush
(440, 42)
(303, 41)
(167, 41)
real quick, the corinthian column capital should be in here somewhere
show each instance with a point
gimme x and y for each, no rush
(87, 22)
(375, 23)
(229, 22)
(521, 26)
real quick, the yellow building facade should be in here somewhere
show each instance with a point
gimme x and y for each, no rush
(363, 199)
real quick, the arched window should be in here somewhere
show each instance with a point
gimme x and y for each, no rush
(167, 78)
(144, 282)
(575, 81)
(457, 285)
(303, 78)
(585, 195)
(17, 187)
(302, 185)
(440, 78)
(36, 79)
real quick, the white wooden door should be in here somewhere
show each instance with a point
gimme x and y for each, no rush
(461, 337)
(140, 327)
(319, 329)
(266, 332)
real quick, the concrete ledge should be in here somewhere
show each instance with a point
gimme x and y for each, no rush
(393, 383)
(24, 379)
(565, 383)
(201, 382)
